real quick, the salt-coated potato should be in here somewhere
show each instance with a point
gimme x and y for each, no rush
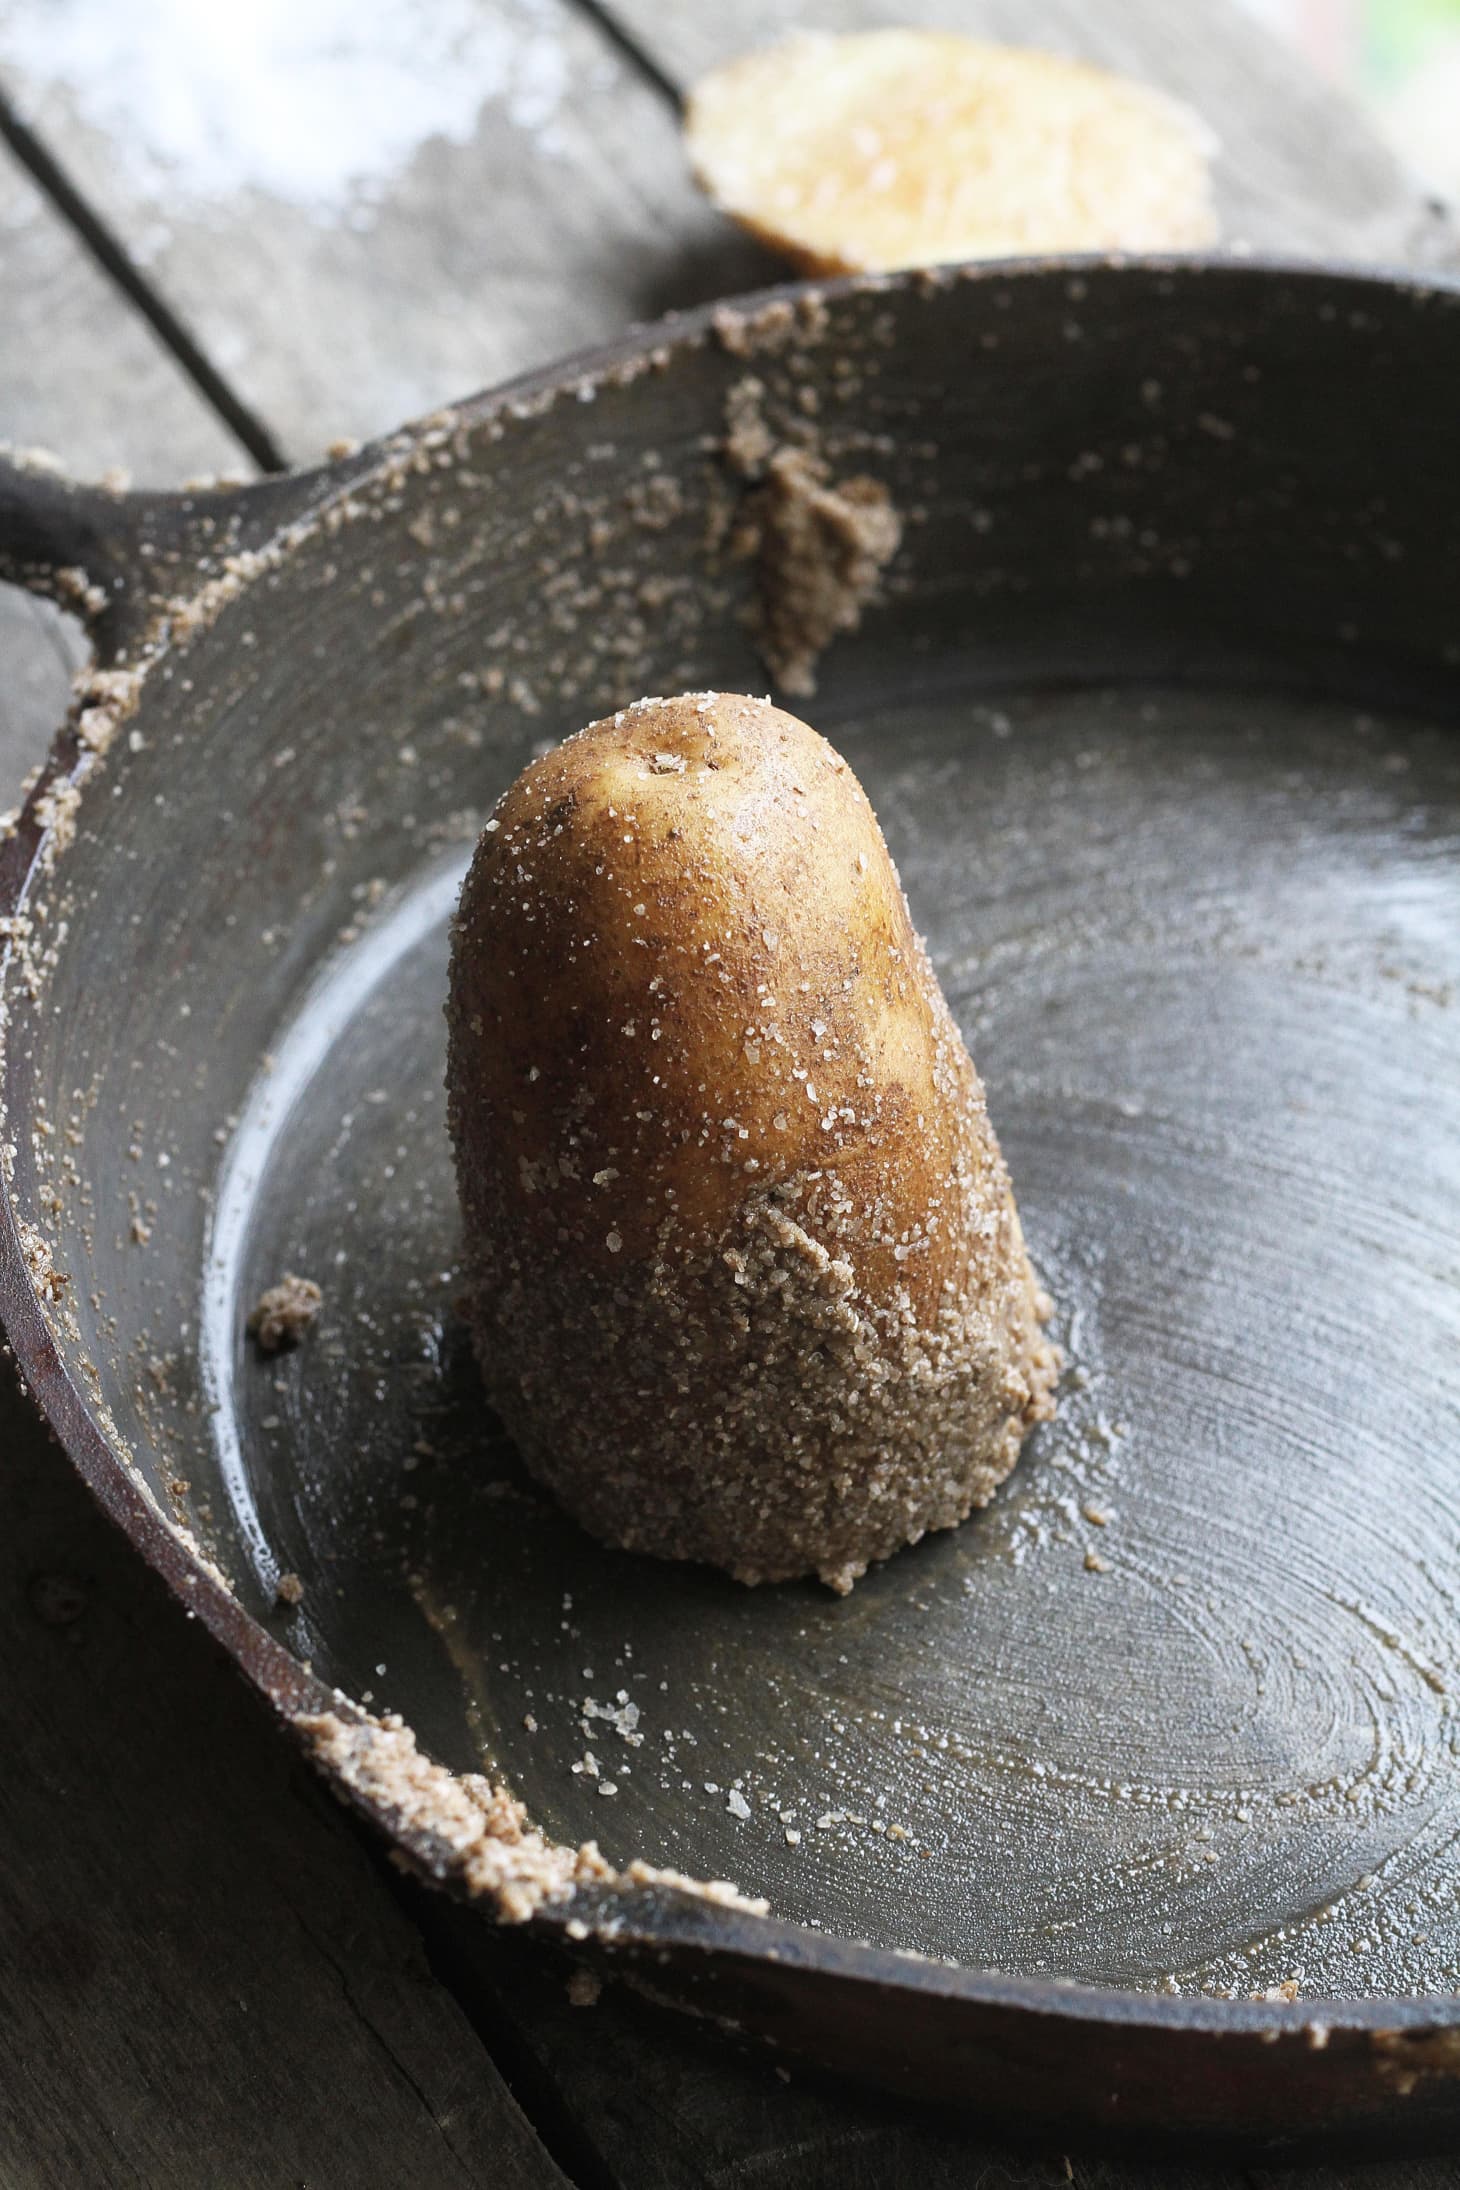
(744, 1271)
(892, 148)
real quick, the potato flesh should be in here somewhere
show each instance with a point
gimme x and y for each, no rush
(889, 148)
(735, 1222)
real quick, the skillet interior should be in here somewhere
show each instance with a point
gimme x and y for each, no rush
(1156, 718)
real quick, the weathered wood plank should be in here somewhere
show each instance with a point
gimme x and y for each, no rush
(388, 217)
(204, 1981)
(62, 326)
(1300, 170)
(78, 366)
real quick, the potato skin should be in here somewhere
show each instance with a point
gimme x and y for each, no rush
(744, 1271)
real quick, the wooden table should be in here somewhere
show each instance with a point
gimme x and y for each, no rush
(213, 258)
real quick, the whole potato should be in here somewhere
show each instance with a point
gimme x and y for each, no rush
(744, 1271)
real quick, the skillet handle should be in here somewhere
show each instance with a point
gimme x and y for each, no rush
(114, 558)
(73, 543)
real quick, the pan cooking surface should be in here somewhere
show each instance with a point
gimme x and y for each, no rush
(1205, 949)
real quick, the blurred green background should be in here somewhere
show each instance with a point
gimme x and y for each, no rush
(1399, 58)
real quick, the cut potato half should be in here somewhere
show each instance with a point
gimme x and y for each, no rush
(894, 148)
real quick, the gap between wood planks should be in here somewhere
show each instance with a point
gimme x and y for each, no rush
(51, 177)
(117, 263)
(638, 56)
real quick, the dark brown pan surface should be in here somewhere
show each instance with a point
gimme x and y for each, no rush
(1158, 718)
(1201, 944)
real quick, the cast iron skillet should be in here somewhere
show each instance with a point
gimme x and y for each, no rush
(1157, 712)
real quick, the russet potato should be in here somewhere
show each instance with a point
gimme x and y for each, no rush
(744, 1271)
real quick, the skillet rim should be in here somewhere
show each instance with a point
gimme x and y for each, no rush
(653, 1919)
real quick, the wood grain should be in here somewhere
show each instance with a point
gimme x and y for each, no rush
(65, 339)
(80, 373)
(341, 308)
(1300, 171)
